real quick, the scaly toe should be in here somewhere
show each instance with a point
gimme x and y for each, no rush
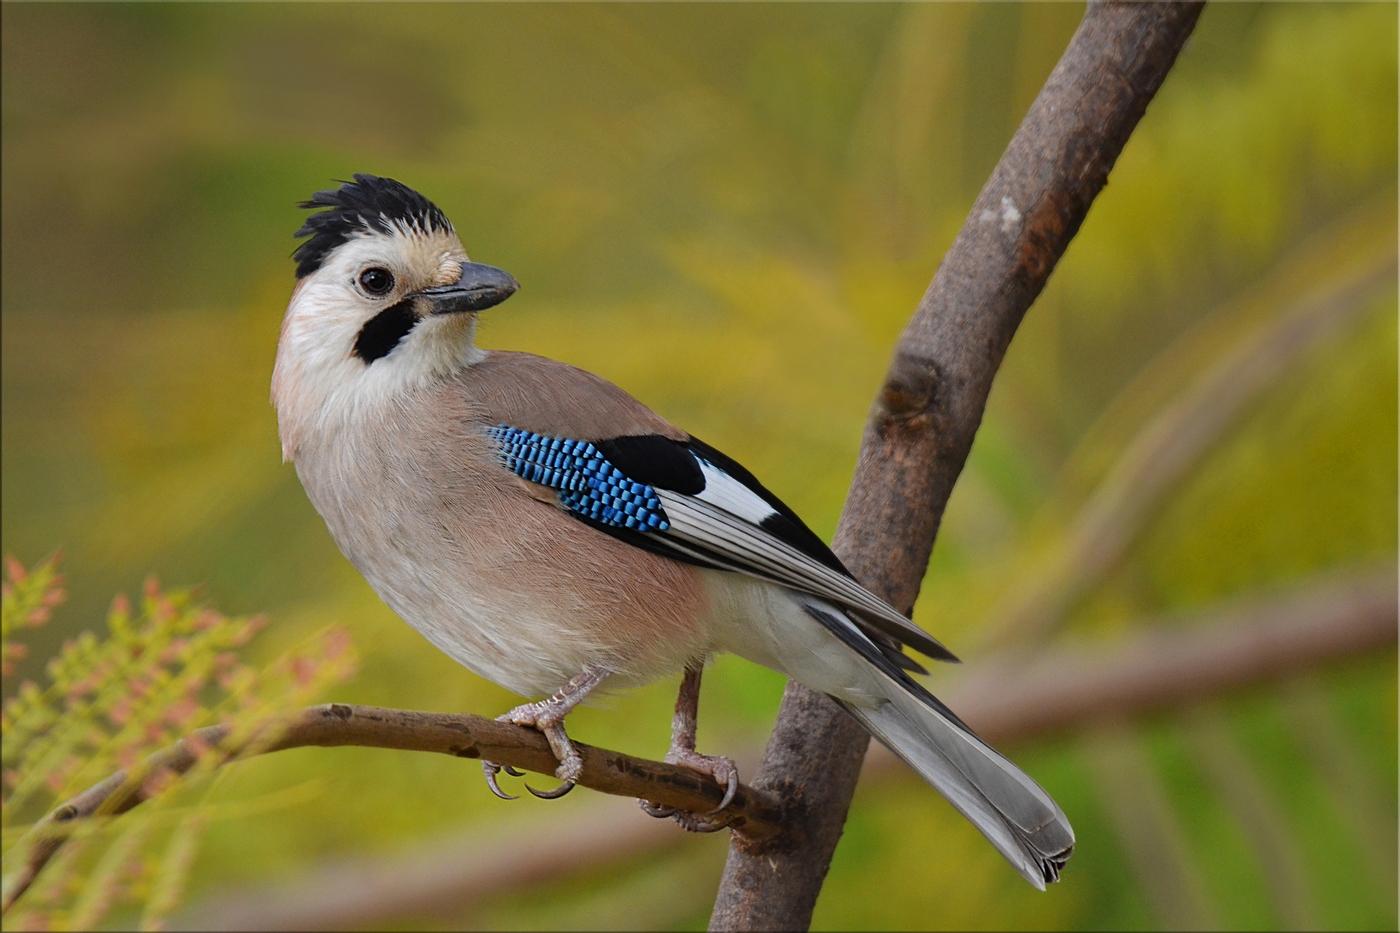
(570, 767)
(721, 769)
(525, 715)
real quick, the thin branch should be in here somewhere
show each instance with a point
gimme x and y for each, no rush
(1175, 664)
(1165, 451)
(1254, 641)
(752, 813)
(931, 404)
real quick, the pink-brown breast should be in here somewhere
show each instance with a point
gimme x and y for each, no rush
(500, 569)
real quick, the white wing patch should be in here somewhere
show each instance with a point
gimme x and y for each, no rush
(749, 549)
(726, 492)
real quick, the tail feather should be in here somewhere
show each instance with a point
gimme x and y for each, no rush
(1010, 809)
(838, 658)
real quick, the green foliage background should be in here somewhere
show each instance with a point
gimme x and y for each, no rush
(730, 211)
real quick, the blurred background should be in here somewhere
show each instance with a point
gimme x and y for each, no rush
(1193, 437)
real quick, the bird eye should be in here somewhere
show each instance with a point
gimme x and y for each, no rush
(376, 281)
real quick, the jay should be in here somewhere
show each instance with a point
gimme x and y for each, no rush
(554, 535)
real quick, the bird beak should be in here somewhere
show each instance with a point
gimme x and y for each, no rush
(480, 287)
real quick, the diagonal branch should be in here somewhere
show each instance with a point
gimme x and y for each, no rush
(915, 445)
(752, 813)
(931, 404)
(1170, 446)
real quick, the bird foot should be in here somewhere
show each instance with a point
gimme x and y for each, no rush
(547, 718)
(690, 822)
(724, 773)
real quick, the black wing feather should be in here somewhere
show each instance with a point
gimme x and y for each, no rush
(785, 525)
(655, 460)
(668, 464)
(674, 466)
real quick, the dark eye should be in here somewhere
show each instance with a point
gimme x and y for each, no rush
(377, 281)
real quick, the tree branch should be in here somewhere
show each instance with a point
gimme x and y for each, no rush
(1261, 640)
(1167, 448)
(753, 813)
(1174, 665)
(930, 406)
(914, 447)
(1253, 641)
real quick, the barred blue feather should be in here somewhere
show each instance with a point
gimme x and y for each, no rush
(588, 484)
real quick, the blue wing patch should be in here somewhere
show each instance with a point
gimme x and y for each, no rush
(588, 484)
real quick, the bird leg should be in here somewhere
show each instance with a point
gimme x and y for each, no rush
(547, 717)
(682, 752)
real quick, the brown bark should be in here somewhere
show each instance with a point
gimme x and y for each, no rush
(464, 736)
(1227, 650)
(915, 444)
(929, 408)
(1173, 666)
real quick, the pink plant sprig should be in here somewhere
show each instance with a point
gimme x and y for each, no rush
(160, 670)
(27, 600)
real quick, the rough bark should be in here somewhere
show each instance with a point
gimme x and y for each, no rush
(1079, 689)
(914, 447)
(335, 724)
(1342, 617)
(929, 408)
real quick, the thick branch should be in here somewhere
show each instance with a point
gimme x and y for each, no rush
(931, 404)
(915, 445)
(753, 813)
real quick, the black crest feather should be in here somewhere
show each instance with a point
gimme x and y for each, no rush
(369, 203)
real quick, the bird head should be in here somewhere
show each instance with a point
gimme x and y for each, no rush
(386, 299)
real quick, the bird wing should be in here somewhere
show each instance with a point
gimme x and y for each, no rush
(663, 490)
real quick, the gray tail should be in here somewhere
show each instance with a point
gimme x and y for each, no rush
(1010, 809)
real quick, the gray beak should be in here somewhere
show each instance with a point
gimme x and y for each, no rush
(480, 287)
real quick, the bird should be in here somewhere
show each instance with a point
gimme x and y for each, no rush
(557, 537)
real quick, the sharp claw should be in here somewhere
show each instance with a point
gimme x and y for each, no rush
(729, 792)
(512, 770)
(655, 809)
(555, 794)
(491, 771)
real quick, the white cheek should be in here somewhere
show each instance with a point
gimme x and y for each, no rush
(322, 382)
(319, 383)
